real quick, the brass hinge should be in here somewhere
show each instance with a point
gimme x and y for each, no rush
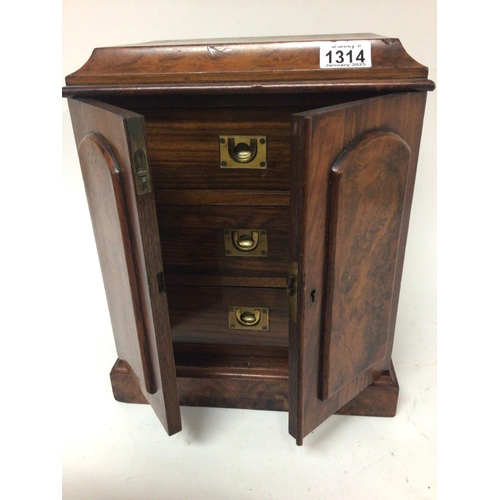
(139, 159)
(141, 173)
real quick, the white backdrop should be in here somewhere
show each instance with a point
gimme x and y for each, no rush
(113, 450)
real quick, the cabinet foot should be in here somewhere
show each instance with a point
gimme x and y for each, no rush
(124, 383)
(377, 400)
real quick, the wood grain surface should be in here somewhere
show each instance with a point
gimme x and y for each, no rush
(199, 314)
(319, 138)
(192, 241)
(184, 148)
(280, 60)
(368, 185)
(126, 231)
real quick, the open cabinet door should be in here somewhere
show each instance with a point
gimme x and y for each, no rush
(353, 171)
(113, 157)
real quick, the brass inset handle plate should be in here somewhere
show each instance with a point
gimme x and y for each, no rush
(243, 151)
(245, 242)
(248, 318)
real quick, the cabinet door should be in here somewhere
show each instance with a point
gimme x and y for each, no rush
(353, 170)
(113, 157)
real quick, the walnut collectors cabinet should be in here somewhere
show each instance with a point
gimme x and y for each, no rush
(250, 202)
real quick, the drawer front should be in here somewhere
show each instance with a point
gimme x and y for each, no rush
(223, 315)
(185, 148)
(237, 241)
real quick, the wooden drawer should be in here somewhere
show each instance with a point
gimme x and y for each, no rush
(201, 315)
(195, 241)
(183, 147)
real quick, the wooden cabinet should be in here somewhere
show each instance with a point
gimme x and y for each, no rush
(250, 209)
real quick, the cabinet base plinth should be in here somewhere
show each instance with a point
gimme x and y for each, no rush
(234, 393)
(377, 400)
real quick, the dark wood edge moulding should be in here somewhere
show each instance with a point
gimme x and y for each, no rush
(423, 85)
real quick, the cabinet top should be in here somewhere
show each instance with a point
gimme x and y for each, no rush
(300, 63)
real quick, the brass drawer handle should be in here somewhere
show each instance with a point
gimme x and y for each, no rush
(248, 318)
(243, 151)
(245, 242)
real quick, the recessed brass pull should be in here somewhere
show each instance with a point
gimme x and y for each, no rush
(245, 242)
(243, 151)
(248, 318)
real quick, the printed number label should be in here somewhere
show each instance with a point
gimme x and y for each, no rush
(349, 54)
